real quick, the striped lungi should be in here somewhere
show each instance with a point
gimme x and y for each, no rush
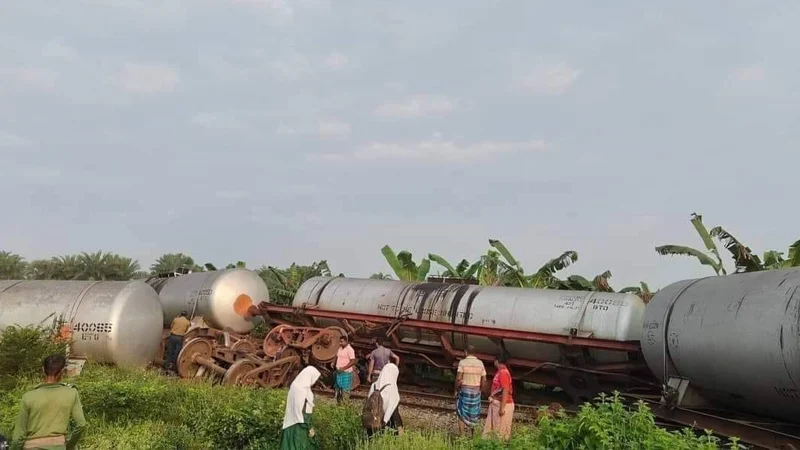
(344, 381)
(468, 405)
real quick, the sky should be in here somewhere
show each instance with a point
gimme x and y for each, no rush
(278, 131)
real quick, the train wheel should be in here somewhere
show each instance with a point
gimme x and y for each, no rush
(326, 346)
(273, 341)
(236, 373)
(187, 367)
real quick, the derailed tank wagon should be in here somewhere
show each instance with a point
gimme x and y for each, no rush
(583, 342)
(115, 322)
(221, 347)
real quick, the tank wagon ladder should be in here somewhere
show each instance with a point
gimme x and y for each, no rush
(580, 378)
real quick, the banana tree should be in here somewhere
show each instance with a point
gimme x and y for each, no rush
(380, 276)
(643, 291)
(284, 283)
(463, 270)
(600, 282)
(545, 276)
(713, 260)
(744, 258)
(774, 259)
(510, 270)
(404, 266)
(489, 271)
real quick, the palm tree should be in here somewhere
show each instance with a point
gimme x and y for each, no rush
(12, 266)
(713, 260)
(404, 266)
(68, 267)
(95, 266)
(172, 262)
(42, 269)
(122, 268)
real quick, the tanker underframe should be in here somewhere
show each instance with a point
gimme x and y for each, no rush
(295, 339)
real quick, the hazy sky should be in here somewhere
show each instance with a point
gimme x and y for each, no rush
(275, 131)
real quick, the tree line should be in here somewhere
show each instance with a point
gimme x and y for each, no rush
(496, 267)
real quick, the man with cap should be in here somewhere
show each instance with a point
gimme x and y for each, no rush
(46, 411)
(180, 325)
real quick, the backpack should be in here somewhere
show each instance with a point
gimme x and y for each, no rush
(372, 413)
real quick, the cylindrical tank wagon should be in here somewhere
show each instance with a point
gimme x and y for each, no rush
(115, 322)
(600, 315)
(733, 340)
(221, 297)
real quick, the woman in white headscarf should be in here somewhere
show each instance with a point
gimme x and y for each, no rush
(387, 385)
(298, 431)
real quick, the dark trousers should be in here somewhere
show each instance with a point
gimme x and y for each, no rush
(174, 345)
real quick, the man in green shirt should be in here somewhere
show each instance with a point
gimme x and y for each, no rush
(46, 411)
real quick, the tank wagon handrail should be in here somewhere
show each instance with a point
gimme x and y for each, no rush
(603, 344)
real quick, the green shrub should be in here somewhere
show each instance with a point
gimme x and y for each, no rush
(23, 349)
(339, 427)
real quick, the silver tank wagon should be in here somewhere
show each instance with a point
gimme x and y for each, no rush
(600, 315)
(115, 322)
(221, 297)
(735, 339)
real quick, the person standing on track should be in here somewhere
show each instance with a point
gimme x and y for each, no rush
(501, 402)
(345, 360)
(378, 359)
(470, 379)
(46, 411)
(180, 325)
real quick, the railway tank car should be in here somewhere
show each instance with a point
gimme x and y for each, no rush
(115, 322)
(221, 297)
(600, 315)
(733, 340)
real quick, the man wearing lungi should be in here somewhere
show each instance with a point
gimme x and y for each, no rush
(345, 362)
(470, 379)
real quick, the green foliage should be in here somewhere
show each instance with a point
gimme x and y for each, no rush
(713, 259)
(404, 266)
(743, 257)
(284, 283)
(605, 424)
(23, 349)
(172, 262)
(380, 276)
(130, 409)
(12, 266)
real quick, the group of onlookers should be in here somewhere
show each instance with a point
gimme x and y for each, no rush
(471, 383)
(381, 409)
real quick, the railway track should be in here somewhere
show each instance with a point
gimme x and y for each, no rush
(438, 402)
